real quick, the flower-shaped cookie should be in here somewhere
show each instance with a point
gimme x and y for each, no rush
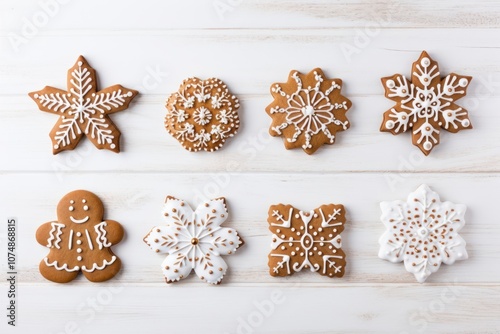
(308, 240)
(308, 110)
(194, 240)
(425, 104)
(202, 115)
(83, 110)
(422, 232)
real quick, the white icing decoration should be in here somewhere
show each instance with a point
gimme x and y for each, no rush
(204, 105)
(422, 232)
(70, 242)
(56, 265)
(194, 240)
(82, 108)
(55, 233)
(101, 239)
(95, 266)
(89, 240)
(79, 221)
(310, 110)
(86, 207)
(426, 101)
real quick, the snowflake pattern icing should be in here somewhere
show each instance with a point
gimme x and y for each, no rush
(309, 240)
(426, 103)
(308, 110)
(202, 114)
(194, 240)
(422, 232)
(84, 110)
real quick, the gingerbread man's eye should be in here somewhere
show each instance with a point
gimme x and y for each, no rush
(86, 208)
(71, 208)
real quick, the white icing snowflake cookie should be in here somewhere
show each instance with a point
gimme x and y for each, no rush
(308, 110)
(83, 110)
(202, 115)
(306, 240)
(422, 232)
(194, 240)
(425, 104)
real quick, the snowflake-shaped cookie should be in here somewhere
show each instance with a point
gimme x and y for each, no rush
(202, 115)
(308, 110)
(308, 240)
(425, 104)
(83, 110)
(194, 240)
(422, 232)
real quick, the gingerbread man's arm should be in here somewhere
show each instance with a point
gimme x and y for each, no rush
(43, 234)
(115, 231)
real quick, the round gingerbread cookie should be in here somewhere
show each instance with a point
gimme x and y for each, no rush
(80, 240)
(202, 114)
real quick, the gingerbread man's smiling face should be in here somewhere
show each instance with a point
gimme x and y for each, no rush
(80, 207)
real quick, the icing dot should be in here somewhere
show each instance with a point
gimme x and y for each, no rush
(425, 62)
(463, 82)
(129, 94)
(389, 124)
(84, 201)
(79, 258)
(86, 208)
(79, 250)
(297, 215)
(112, 145)
(56, 146)
(465, 122)
(390, 83)
(78, 234)
(71, 208)
(78, 242)
(80, 63)
(36, 96)
(71, 202)
(427, 145)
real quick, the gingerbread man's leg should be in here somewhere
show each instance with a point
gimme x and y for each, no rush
(54, 275)
(105, 274)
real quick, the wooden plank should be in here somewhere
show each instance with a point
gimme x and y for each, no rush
(281, 309)
(136, 200)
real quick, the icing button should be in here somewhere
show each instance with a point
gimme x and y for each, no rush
(79, 258)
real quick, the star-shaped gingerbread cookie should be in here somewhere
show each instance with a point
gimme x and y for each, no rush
(426, 103)
(308, 110)
(83, 109)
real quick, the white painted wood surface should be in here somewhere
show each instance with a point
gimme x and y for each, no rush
(250, 46)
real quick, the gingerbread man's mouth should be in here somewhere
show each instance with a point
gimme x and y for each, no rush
(79, 221)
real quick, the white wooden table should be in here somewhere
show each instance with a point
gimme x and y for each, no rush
(152, 46)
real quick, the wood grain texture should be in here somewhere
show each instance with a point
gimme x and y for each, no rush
(152, 47)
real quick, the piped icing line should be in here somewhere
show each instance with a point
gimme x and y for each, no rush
(58, 267)
(70, 242)
(101, 239)
(91, 246)
(55, 233)
(96, 267)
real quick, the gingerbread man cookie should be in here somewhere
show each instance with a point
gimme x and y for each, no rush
(202, 114)
(308, 110)
(80, 240)
(425, 104)
(83, 110)
(307, 240)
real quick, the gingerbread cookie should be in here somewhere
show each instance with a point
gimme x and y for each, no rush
(308, 110)
(83, 110)
(194, 240)
(202, 115)
(422, 232)
(80, 240)
(309, 240)
(425, 104)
